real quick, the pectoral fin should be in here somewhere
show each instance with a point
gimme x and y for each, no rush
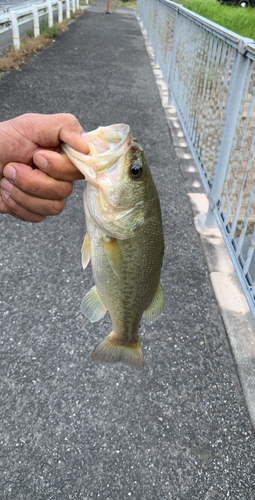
(113, 252)
(86, 251)
(156, 307)
(92, 306)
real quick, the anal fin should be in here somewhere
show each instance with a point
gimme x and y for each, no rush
(92, 306)
(156, 306)
(111, 351)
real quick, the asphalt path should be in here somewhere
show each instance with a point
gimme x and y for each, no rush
(70, 428)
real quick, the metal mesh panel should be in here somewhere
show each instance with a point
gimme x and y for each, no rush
(211, 75)
(200, 87)
(143, 8)
(152, 22)
(238, 196)
(165, 27)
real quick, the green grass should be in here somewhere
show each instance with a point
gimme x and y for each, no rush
(239, 20)
(49, 32)
(128, 3)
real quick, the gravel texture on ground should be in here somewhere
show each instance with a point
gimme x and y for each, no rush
(70, 429)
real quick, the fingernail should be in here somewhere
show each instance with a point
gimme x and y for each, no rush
(86, 138)
(6, 185)
(41, 162)
(9, 172)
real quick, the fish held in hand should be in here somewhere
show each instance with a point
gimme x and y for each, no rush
(124, 240)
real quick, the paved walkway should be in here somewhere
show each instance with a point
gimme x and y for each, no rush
(71, 429)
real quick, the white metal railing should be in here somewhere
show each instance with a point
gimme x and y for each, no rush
(210, 73)
(22, 14)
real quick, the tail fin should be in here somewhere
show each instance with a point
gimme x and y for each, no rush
(111, 351)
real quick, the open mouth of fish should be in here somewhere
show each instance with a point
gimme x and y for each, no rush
(107, 145)
(111, 149)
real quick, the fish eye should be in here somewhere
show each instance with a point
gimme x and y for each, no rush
(136, 170)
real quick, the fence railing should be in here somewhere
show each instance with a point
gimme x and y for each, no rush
(210, 73)
(21, 15)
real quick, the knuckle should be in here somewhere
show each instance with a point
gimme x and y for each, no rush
(71, 123)
(71, 119)
(68, 189)
(57, 206)
(17, 196)
(39, 218)
(63, 189)
(10, 203)
(3, 207)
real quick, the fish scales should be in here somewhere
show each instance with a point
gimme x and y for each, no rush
(124, 240)
(126, 297)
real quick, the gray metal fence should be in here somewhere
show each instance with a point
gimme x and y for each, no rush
(210, 74)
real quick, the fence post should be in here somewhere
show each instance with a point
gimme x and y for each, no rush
(60, 11)
(156, 57)
(36, 21)
(235, 93)
(68, 14)
(50, 14)
(77, 4)
(15, 30)
(170, 75)
(73, 6)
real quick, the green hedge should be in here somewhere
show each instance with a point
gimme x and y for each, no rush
(237, 19)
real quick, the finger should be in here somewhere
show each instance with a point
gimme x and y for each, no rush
(19, 212)
(3, 206)
(27, 133)
(34, 182)
(56, 165)
(17, 200)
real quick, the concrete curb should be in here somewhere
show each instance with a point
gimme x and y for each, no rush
(234, 309)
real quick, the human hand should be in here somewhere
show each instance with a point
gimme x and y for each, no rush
(34, 140)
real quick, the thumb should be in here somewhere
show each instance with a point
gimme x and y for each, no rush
(50, 130)
(73, 134)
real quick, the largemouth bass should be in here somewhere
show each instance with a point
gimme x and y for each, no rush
(124, 240)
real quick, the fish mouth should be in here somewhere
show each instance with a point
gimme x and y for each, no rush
(108, 145)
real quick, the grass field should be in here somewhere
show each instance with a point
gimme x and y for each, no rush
(239, 20)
